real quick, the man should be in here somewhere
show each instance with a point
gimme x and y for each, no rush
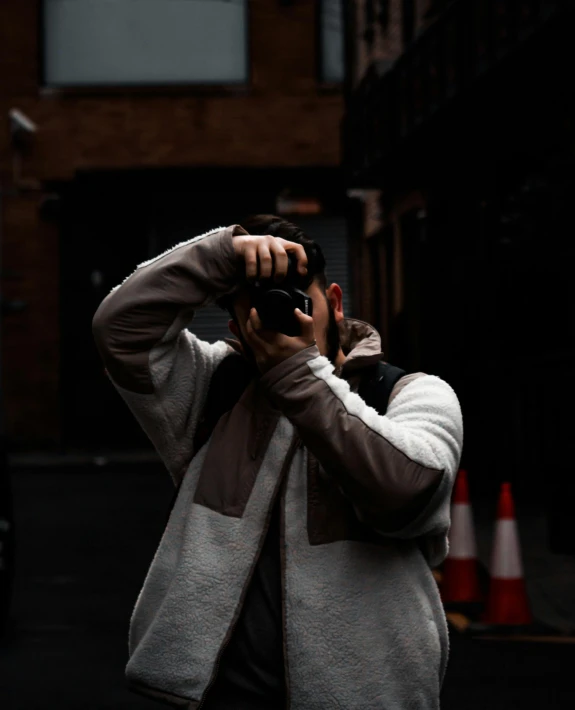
(294, 570)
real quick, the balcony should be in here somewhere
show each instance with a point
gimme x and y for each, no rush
(442, 65)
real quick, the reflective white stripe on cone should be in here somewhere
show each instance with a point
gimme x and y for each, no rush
(507, 604)
(460, 581)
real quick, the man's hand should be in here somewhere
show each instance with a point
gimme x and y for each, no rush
(270, 254)
(271, 347)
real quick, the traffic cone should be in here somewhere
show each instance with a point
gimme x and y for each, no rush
(507, 603)
(460, 580)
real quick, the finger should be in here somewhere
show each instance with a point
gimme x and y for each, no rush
(281, 261)
(307, 325)
(250, 333)
(255, 320)
(252, 337)
(265, 259)
(300, 254)
(302, 260)
(263, 338)
(251, 259)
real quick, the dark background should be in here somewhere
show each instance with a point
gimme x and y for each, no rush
(443, 154)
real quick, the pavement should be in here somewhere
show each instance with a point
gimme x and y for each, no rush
(86, 535)
(50, 460)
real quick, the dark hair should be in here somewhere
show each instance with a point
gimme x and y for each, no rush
(261, 224)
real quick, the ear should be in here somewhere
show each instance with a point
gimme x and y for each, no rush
(335, 297)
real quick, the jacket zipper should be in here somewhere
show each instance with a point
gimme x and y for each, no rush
(289, 456)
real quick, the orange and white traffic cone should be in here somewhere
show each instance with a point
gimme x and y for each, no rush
(460, 580)
(507, 603)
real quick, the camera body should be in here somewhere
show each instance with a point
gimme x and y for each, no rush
(276, 302)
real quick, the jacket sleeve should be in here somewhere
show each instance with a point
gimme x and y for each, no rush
(398, 470)
(161, 369)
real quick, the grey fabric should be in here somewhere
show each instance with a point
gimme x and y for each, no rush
(193, 587)
(366, 629)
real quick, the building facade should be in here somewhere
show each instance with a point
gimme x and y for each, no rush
(150, 127)
(459, 135)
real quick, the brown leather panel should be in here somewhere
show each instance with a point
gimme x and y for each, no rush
(235, 454)
(129, 367)
(330, 514)
(385, 483)
(160, 296)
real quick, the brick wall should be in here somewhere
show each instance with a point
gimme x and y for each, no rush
(281, 119)
(284, 118)
(30, 338)
(387, 43)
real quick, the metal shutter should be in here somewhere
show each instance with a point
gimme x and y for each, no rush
(211, 324)
(331, 234)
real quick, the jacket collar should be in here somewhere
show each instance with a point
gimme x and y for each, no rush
(360, 342)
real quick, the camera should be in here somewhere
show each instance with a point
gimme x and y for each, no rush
(276, 302)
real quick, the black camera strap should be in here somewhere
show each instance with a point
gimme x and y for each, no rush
(377, 384)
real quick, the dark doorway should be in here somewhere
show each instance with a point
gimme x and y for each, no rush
(407, 21)
(388, 239)
(111, 222)
(109, 228)
(376, 281)
(408, 322)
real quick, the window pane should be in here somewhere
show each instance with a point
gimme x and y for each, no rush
(332, 51)
(124, 42)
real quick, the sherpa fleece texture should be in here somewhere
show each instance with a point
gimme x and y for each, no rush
(365, 628)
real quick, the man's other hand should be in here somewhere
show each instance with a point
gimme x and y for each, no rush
(271, 347)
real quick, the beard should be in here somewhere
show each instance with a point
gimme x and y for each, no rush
(332, 338)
